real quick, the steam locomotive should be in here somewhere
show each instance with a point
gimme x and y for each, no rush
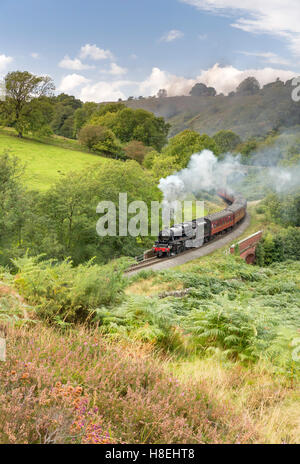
(195, 233)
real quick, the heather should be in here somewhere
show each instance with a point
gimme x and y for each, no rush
(79, 387)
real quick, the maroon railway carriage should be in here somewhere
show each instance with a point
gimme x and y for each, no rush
(221, 221)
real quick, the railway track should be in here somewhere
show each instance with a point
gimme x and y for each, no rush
(193, 253)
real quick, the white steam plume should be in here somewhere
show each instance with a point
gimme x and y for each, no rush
(204, 172)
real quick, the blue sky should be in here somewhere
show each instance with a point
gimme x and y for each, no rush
(104, 50)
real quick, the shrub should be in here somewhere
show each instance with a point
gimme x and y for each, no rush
(136, 150)
(78, 386)
(64, 294)
(89, 136)
(100, 140)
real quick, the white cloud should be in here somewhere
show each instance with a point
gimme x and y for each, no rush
(223, 79)
(115, 70)
(71, 82)
(4, 62)
(159, 79)
(275, 17)
(103, 91)
(34, 55)
(172, 35)
(95, 53)
(227, 78)
(269, 57)
(202, 36)
(75, 65)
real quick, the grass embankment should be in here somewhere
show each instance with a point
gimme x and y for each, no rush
(46, 159)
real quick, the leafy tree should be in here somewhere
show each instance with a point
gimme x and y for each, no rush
(186, 143)
(109, 145)
(90, 135)
(163, 166)
(83, 114)
(128, 124)
(64, 109)
(99, 139)
(24, 108)
(66, 218)
(201, 90)
(110, 108)
(12, 210)
(249, 86)
(247, 148)
(149, 158)
(136, 150)
(226, 140)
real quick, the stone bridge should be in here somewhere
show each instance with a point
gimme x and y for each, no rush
(247, 247)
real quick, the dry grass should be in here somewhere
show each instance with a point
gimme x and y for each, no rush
(150, 287)
(267, 401)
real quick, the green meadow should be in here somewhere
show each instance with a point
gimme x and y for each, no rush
(44, 162)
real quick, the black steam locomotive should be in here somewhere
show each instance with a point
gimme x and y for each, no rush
(195, 233)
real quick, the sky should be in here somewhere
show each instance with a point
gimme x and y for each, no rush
(103, 50)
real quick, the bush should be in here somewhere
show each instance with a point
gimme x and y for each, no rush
(89, 136)
(277, 248)
(100, 140)
(64, 294)
(136, 150)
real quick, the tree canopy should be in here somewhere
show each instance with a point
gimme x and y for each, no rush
(186, 143)
(201, 90)
(227, 140)
(25, 107)
(128, 124)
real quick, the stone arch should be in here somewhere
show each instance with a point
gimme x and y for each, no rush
(250, 258)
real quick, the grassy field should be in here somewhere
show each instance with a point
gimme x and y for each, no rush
(45, 162)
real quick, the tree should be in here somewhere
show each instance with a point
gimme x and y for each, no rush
(109, 145)
(12, 211)
(64, 110)
(247, 148)
(149, 159)
(24, 92)
(201, 90)
(227, 140)
(249, 86)
(128, 124)
(164, 166)
(186, 143)
(82, 115)
(101, 140)
(136, 150)
(66, 213)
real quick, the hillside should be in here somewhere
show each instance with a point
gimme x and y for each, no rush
(247, 115)
(239, 386)
(45, 163)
